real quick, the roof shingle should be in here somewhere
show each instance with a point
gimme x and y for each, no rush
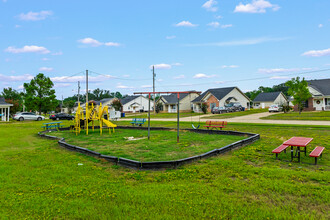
(266, 96)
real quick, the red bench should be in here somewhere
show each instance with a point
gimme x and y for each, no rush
(317, 152)
(215, 124)
(279, 149)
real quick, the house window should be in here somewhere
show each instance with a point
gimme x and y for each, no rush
(129, 108)
(305, 104)
(212, 105)
(327, 101)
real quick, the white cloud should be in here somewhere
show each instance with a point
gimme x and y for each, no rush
(28, 49)
(229, 66)
(218, 17)
(279, 77)
(256, 6)
(226, 25)
(57, 53)
(146, 86)
(185, 24)
(120, 86)
(214, 24)
(170, 37)
(202, 76)
(210, 5)
(161, 66)
(239, 42)
(45, 59)
(277, 70)
(62, 85)
(24, 77)
(46, 69)
(320, 25)
(20, 87)
(177, 64)
(17, 26)
(95, 43)
(4, 1)
(179, 77)
(317, 53)
(112, 44)
(35, 16)
(159, 80)
(74, 79)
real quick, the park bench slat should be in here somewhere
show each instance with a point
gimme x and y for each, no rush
(279, 149)
(215, 124)
(317, 152)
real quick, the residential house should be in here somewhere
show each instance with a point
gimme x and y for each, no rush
(320, 100)
(4, 109)
(136, 103)
(266, 99)
(104, 102)
(170, 102)
(218, 97)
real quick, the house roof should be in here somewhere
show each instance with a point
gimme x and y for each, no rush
(173, 98)
(219, 93)
(105, 100)
(3, 102)
(128, 99)
(321, 85)
(266, 96)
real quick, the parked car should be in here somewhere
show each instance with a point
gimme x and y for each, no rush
(61, 116)
(21, 116)
(275, 108)
(218, 110)
(234, 107)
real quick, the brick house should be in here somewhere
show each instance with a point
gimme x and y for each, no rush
(219, 97)
(320, 100)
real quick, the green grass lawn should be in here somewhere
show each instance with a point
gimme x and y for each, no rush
(41, 180)
(162, 145)
(236, 114)
(315, 116)
(162, 115)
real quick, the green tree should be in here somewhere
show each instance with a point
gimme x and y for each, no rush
(117, 105)
(204, 107)
(13, 97)
(298, 89)
(69, 104)
(39, 94)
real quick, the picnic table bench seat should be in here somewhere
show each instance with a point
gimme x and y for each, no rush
(317, 152)
(138, 121)
(215, 124)
(279, 149)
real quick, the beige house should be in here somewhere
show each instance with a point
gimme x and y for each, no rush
(218, 97)
(266, 99)
(137, 103)
(170, 102)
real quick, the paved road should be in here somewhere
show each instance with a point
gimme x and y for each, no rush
(253, 118)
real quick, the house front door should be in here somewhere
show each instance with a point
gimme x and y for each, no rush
(318, 104)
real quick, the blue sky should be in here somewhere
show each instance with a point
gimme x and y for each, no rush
(194, 45)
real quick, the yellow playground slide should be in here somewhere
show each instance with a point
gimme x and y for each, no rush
(108, 123)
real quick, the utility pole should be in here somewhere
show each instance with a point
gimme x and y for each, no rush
(78, 90)
(153, 86)
(86, 88)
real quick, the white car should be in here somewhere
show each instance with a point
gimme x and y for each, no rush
(275, 108)
(28, 116)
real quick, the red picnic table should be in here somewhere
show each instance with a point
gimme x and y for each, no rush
(298, 142)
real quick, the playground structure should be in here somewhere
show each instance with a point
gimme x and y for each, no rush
(92, 114)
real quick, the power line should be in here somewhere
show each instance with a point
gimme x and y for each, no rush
(244, 80)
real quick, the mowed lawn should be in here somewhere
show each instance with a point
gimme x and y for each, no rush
(236, 114)
(39, 179)
(162, 145)
(313, 116)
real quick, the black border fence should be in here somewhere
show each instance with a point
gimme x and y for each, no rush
(158, 164)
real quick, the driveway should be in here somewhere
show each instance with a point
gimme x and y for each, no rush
(253, 118)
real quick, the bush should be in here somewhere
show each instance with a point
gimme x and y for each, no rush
(204, 107)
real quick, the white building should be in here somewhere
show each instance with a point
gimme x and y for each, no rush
(170, 102)
(320, 90)
(4, 109)
(136, 104)
(266, 99)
